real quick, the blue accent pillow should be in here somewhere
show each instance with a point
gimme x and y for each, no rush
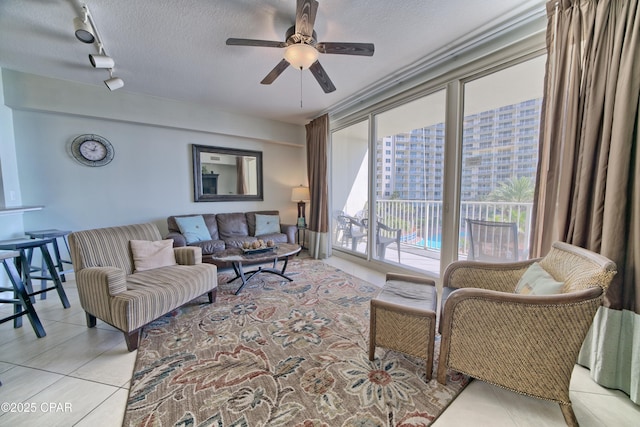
(267, 224)
(193, 228)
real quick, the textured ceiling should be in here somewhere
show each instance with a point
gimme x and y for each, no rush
(176, 48)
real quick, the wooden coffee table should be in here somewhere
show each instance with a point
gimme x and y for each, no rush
(238, 258)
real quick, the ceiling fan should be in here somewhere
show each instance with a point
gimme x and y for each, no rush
(302, 48)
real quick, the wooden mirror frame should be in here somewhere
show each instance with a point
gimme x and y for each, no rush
(201, 196)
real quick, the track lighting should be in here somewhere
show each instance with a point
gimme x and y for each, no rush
(84, 31)
(87, 32)
(101, 61)
(113, 83)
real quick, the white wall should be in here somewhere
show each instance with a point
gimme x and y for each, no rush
(150, 177)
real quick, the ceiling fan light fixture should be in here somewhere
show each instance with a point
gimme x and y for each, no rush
(301, 55)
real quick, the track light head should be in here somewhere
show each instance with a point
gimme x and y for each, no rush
(114, 83)
(101, 61)
(84, 31)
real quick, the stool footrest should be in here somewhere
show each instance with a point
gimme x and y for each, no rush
(403, 318)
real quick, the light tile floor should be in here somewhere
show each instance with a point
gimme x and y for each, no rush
(77, 376)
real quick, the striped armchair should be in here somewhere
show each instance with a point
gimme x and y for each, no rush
(110, 290)
(524, 343)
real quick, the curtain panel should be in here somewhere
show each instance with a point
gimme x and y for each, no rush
(588, 185)
(317, 152)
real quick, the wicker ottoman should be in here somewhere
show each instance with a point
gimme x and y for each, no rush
(403, 317)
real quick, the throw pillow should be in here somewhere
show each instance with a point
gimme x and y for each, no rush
(193, 228)
(267, 224)
(536, 281)
(148, 255)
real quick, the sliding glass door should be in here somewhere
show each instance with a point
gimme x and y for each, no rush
(500, 157)
(395, 202)
(350, 186)
(409, 144)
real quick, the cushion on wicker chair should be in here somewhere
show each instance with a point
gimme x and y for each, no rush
(536, 281)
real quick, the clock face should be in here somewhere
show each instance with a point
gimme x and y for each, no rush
(92, 150)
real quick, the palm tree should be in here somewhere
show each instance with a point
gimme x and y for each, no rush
(513, 190)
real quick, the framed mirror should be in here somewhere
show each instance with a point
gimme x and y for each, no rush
(226, 174)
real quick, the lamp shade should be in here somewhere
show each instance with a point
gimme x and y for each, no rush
(301, 55)
(299, 194)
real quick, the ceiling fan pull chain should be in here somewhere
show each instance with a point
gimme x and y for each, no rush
(301, 88)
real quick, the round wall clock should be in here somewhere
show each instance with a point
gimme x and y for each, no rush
(92, 150)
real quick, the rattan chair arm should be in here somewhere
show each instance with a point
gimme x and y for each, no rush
(511, 298)
(410, 278)
(501, 277)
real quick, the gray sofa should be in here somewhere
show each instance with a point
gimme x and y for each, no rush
(229, 230)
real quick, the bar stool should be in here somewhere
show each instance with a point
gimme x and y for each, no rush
(21, 301)
(59, 262)
(23, 266)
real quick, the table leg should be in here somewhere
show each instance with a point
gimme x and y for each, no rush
(54, 276)
(240, 273)
(21, 295)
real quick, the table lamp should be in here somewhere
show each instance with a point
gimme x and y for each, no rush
(301, 195)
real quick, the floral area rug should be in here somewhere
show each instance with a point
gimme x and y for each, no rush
(280, 354)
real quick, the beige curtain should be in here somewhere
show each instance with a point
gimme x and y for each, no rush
(588, 186)
(317, 149)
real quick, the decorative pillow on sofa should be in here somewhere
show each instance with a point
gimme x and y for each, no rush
(193, 228)
(267, 224)
(536, 281)
(148, 254)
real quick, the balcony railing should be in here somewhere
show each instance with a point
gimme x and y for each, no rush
(421, 221)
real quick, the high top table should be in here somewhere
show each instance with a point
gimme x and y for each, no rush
(237, 257)
(54, 235)
(23, 266)
(21, 301)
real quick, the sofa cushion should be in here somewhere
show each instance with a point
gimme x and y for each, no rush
(193, 228)
(148, 255)
(236, 242)
(153, 293)
(276, 237)
(536, 281)
(210, 246)
(267, 224)
(232, 225)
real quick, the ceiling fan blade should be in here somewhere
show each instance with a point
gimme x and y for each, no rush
(251, 42)
(273, 74)
(362, 49)
(306, 11)
(321, 76)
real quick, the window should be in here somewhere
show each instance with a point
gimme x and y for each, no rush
(494, 152)
(502, 191)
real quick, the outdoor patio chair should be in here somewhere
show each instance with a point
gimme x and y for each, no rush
(354, 231)
(385, 236)
(491, 241)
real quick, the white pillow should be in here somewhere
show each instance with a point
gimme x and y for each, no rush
(267, 224)
(536, 281)
(148, 255)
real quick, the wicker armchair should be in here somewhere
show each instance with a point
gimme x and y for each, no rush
(524, 343)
